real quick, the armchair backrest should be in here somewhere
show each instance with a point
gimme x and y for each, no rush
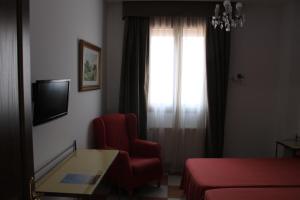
(115, 130)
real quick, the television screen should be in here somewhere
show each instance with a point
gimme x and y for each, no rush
(50, 100)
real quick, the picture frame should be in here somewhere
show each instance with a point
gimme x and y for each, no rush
(90, 66)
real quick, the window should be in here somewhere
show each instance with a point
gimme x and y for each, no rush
(177, 76)
(177, 95)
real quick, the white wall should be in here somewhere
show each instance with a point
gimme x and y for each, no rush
(56, 27)
(292, 123)
(252, 110)
(266, 106)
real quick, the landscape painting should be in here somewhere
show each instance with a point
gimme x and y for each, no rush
(89, 66)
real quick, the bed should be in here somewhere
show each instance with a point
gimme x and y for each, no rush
(253, 194)
(202, 174)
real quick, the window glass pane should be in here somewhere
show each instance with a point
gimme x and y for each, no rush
(193, 69)
(161, 71)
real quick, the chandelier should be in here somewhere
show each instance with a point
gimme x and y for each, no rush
(229, 18)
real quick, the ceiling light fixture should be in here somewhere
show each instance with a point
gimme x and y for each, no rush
(229, 18)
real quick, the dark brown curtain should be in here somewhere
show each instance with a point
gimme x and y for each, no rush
(217, 58)
(134, 75)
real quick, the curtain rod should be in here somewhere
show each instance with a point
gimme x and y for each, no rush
(168, 8)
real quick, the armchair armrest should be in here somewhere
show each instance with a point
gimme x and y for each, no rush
(123, 158)
(122, 161)
(143, 148)
(120, 169)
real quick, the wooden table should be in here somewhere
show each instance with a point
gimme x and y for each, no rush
(84, 162)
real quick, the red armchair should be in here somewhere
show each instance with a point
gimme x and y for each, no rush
(138, 161)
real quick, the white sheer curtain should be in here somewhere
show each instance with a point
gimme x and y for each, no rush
(177, 97)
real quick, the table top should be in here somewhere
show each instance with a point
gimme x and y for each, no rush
(84, 163)
(290, 143)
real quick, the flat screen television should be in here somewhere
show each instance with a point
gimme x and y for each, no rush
(50, 100)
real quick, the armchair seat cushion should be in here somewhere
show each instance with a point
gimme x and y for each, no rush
(142, 166)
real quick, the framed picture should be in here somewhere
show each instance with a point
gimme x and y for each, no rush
(89, 66)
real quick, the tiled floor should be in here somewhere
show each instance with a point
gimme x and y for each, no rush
(169, 189)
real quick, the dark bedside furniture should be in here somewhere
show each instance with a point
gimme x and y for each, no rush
(290, 144)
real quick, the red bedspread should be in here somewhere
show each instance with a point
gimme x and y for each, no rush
(205, 173)
(253, 194)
